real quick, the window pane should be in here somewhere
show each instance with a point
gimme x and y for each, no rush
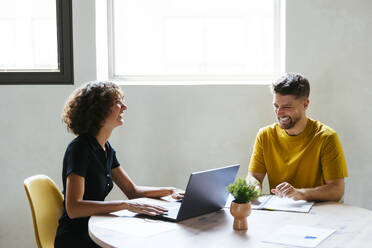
(31, 35)
(194, 37)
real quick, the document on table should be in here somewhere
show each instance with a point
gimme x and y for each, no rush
(302, 236)
(273, 202)
(142, 227)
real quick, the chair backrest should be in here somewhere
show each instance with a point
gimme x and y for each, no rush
(46, 203)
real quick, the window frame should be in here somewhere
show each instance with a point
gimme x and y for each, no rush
(65, 55)
(279, 58)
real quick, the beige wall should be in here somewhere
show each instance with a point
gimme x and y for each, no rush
(171, 131)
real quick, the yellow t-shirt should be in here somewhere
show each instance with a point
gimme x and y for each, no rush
(304, 161)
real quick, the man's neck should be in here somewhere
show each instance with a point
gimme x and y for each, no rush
(298, 128)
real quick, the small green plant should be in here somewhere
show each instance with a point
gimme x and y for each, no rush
(242, 191)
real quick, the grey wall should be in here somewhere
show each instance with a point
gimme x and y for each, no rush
(173, 130)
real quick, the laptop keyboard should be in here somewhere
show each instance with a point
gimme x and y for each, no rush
(172, 213)
(173, 209)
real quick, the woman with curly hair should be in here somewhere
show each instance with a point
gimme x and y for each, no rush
(90, 165)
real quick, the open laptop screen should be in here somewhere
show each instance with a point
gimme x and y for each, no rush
(206, 191)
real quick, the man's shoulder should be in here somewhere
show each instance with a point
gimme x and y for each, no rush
(321, 129)
(323, 132)
(268, 130)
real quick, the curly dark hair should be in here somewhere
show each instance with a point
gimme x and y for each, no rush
(292, 84)
(89, 105)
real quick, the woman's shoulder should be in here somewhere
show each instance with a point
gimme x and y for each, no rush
(110, 148)
(80, 142)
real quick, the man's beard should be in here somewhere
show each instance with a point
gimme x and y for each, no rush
(288, 124)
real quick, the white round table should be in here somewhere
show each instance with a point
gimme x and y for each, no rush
(353, 227)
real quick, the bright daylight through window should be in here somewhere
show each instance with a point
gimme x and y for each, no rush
(23, 49)
(203, 40)
(36, 42)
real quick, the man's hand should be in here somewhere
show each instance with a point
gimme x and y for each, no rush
(287, 190)
(332, 190)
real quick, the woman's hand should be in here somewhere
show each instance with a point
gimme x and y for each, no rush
(146, 209)
(156, 192)
(178, 195)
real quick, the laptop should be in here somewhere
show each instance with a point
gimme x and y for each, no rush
(205, 193)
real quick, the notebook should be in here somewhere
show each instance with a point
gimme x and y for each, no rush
(273, 202)
(205, 193)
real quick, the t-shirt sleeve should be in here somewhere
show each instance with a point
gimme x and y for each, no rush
(77, 157)
(332, 158)
(115, 162)
(257, 163)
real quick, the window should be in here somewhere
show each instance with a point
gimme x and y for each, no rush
(225, 41)
(37, 45)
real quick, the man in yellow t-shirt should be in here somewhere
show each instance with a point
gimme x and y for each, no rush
(303, 158)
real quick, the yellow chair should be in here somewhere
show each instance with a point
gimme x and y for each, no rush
(46, 203)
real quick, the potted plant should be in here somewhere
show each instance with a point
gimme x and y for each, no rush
(240, 208)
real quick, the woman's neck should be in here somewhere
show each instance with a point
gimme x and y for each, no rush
(103, 136)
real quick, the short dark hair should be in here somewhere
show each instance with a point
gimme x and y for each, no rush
(292, 84)
(89, 105)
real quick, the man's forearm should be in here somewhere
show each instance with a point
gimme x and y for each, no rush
(256, 179)
(252, 180)
(327, 192)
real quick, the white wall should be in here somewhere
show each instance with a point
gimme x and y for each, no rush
(330, 42)
(32, 137)
(173, 130)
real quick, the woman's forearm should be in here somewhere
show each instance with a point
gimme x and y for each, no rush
(155, 192)
(84, 208)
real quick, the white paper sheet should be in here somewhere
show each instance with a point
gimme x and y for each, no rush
(302, 236)
(140, 227)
